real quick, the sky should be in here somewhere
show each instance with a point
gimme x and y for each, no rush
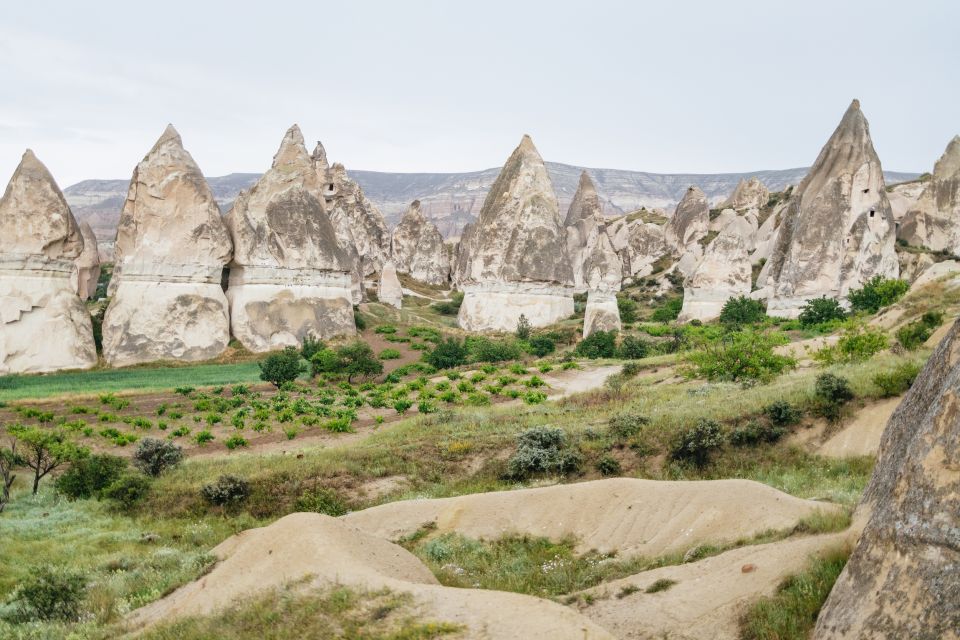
(443, 86)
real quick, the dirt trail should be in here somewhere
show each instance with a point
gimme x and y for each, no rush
(567, 383)
(858, 435)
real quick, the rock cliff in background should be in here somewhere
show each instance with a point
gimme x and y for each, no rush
(724, 272)
(44, 326)
(934, 220)
(171, 248)
(416, 248)
(390, 291)
(289, 277)
(902, 580)
(837, 230)
(87, 264)
(514, 260)
(749, 194)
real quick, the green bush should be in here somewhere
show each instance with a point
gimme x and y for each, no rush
(323, 501)
(308, 347)
(739, 356)
(358, 321)
(451, 307)
(128, 490)
(627, 307)
(782, 414)
(385, 328)
(235, 441)
(819, 311)
(523, 328)
(607, 465)
(542, 345)
(898, 380)
(634, 348)
(668, 311)
(88, 477)
(756, 432)
(913, 335)
(599, 344)
(227, 491)
(49, 593)
(626, 425)
(483, 349)
(831, 393)
(389, 354)
(696, 443)
(447, 354)
(542, 450)
(876, 293)
(355, 358)
(741, 311)
(856, 344)
(280, 367)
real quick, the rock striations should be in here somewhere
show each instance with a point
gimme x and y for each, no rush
(903, 579)
(749, 194)
(87, 264)
(934, 220)
(390, 290)
(44, 326)
(513, 261)
(289, 277)
(585, 203)
(689, 224)
(837, 230)
(171, 248)
(724, 272)
(417, 249)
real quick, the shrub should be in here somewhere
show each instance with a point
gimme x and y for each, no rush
(205, 436)
(49, 593)
(741, 311)
(876, 293)
(633, 348)
(542, 450)
(352, 359)
(781, 413)
(897, 381)
(389, 354)
(627, 307)
(322, 501)
(523, 328)
(451, 307)
(738, 356)
(483, 349)
(358, 321)
(447, 354)
(227, 491)
(128, 490)
(280, 367)
(755, 432)
(831, 393)
(855, 345)
(818, 311)
(385, 328)
(697, 443)
(626, 425)
(542, 345)
(608, 466)
(599, 344)
(532, 397)
(913, 335)
(402, 405)
(88, 477)
(235, 441)
(668, 311)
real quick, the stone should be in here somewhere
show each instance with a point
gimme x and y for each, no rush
(724, 218)
(585, 203)
(724, 272)
(647, 245)
(934, 220)
(514, 259)
(390, 290)
(87, 264)
(289, 277)
(341, 222)
(902, 579)
(171, 248)
(44, 325)
(837, 229)
(417, 249)
(749, 194)
(595, 262)
(690, 221)
(601, 312)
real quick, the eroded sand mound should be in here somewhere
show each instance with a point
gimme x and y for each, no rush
(331, 552)
(629, 516)
(861, 437)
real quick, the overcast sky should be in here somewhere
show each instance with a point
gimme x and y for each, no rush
(413, 86)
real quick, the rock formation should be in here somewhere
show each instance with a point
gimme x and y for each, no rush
(749, 194)
(87, 264)
(390, 290)
(601, 312)
(171, 248)
(595, 262)
(514, 260)
(585, 203)
(341, 222)
(647, 245)
(690, 221)
(934, 220)
(837, 230)
(289, 277)
(416, 248)
(44, 326)
(902, 580)
(724, 272)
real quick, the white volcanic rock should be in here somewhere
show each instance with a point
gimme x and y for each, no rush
(749, 194)
(87, 264)
(838, 229)
(934, 221)
(690, 221)
(722, 220)
(596, 264)
(289, 277)
(601, 313)
(647, 245)
(585, 203)
(903, 197)
(514, 260)
(390, 291)
(44, 326)
(341, 222)
(171, 248)
(724, 272)
(416, 248)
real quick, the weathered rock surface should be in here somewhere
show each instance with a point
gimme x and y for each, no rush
(934, 221)
(390, 291)
(749, 194)
(585, 203)
(87, 264)
(44, 326)
(902, 580)
(289, 278)
(601, 312)
(596, 263)
(724, 272)
(514, 260)
(342, 224)
(647, 245)
(170, 252)
(690, 221)
(838, 229)
(416, 248)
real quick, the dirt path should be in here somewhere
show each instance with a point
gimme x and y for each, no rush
(857, 435)
(567, 383)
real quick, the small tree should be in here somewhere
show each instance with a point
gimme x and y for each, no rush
(819, 311)
(8, 460)
(359, 360)
(153, 456)
(741, 311)
(876, 293)
(310, 346)
(88, 477)
(599, 344)
(447, 354)
(280, 367)
(523, 328)
(44, 450)
(627, 307)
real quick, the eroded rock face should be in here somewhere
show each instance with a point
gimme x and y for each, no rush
(341, 222)
(44, 326)
(171, 248)
(690, 221)
(596, 263)
(749, 194)
(934, 220)
(837, 230)
(417, 249)
(585, 203)
(289, 277)
(601, 312)
(87, 264)
(724, 272)
(514, 260)
(647, 246)
(390, 290)
(902, 580)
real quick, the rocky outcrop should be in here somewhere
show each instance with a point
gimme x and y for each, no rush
(690, 221)
(585, 203)
(902, 580)
(601, 312)
(724, 272)
(514, 260)
(390, 290)
(596, 263)
(647, 245)
(342, 225)
(934, 220)
(44, 326)
(171, 248)
(87, 264)
(749, 194)
(289, 278)
(416, 248)
(838, 229)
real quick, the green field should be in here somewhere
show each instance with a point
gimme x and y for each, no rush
(137, 379)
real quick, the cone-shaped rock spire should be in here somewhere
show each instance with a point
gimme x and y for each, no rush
(934, 221)
(585, 203)
(417, 248)
(87, 264)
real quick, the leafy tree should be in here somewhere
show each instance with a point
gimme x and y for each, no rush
(8, 460)
(542, 345)
(633, 348)
(628, 308)
(857, 344)
(153, 456)
(44, 450)
(820, 310)
(310, 346)
(599, 344)
(523, 328)
(280, 367)
(354, 359)
(447, 354)
(740, 311)
(88, 477)
(878, 292)
(738, 356)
